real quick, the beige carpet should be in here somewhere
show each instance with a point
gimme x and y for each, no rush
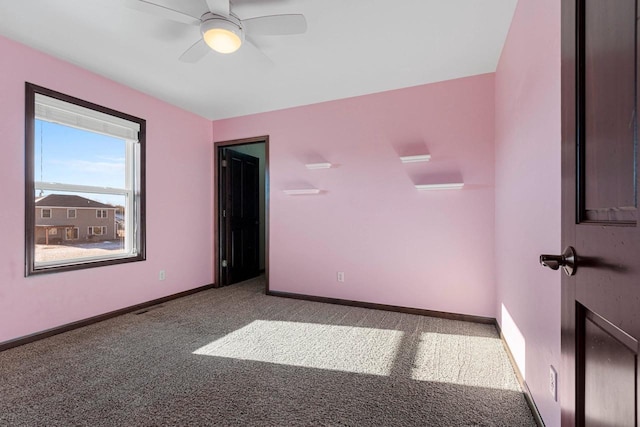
(234, 356)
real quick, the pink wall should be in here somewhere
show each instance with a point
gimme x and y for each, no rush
(179, 157)
(430, 250)
(528, 193)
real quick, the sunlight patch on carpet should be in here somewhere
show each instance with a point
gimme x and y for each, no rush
(332, 347)
(453, 359)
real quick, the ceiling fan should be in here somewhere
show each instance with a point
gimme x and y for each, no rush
(221, 29)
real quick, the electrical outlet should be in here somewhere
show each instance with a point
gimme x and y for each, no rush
(341, 276)
(553, 383)
(162, 275)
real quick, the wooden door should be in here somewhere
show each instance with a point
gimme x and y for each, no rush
(601, 302)
(240, 216)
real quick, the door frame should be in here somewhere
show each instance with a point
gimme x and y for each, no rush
(217, 146)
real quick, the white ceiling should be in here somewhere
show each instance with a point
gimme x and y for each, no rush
(352, 47)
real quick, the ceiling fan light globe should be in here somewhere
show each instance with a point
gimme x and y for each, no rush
(221, 35)
(222, 41)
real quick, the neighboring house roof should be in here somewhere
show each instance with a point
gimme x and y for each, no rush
(69, 201)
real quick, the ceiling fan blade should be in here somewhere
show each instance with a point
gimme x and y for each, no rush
(162, 11)
(219, 7)
(251, 46)
(195, 53)
(275, 25)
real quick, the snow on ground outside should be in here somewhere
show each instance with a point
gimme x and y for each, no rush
(80, 250)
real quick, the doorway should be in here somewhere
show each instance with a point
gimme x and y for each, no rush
(241, 210)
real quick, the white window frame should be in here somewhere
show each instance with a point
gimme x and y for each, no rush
(42, 215)
(75, 213)
(45, 104)
(91, 230)
(76, 233)
(102, 213)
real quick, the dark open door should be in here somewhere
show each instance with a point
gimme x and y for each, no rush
(601, 302)
(239, 216)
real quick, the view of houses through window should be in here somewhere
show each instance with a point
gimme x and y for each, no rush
(94, 228)
(86, 200)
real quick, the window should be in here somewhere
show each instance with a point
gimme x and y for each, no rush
(71, 233)
(82, 158)
(97, 230)
(53, 231)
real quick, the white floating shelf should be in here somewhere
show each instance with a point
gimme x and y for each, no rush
(302, 191)
(416, 159)
(448, 186)
(318, 165)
